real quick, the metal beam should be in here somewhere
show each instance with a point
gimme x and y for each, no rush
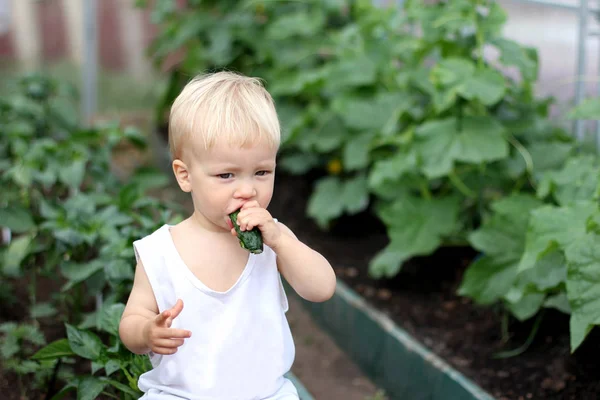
(558, 4)
(89, 75)
(581, 63)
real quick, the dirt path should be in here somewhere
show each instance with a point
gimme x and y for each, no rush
(326, 372)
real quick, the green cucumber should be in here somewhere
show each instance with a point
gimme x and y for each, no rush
(249, 240)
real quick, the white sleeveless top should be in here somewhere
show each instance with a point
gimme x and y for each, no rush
(241, 345)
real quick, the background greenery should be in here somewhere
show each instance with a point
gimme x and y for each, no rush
(398, 112)
(404, 116)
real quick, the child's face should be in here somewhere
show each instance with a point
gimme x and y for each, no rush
(224, 177)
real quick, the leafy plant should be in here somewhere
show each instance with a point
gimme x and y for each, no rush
(116, 362)
(422, 128)
(17, 344)
(72, 220)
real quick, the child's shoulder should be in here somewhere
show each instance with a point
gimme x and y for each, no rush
(155, 237)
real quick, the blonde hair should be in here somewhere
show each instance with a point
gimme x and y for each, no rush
(223, 105)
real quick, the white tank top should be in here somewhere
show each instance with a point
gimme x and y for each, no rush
(241, 345)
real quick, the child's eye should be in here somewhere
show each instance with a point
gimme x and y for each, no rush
(262, 173)
(225, 176)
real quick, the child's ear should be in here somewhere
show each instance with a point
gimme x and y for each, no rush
(182, 174)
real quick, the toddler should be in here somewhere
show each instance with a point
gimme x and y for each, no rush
(210, 314)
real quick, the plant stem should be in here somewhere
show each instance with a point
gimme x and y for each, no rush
(526, 157)
(460, 185)
(52, 381)
(504, 326)
(425, 192)
(524, 346)
(478, 37)
(32, 293)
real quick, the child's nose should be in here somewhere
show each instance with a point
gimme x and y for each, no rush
(245, 190)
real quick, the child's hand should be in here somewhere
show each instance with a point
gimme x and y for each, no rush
(253, 215)
(158, 334)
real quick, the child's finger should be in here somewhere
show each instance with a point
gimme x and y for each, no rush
(172, 333)
(165, 350)
(250, 204)
(168, 343)
(162, 317)
(176, 309)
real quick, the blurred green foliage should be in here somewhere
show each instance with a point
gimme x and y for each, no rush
(71, 221)
(424, 115)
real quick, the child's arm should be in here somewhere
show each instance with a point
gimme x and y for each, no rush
(307, 271)
(142, 328)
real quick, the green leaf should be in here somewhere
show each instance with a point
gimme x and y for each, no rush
(16, 218)
(474, 140)
(452, 71)
(295, 83)
(501, 239)
(388, 170)
(84, 343)
(42, 310)
(549, 155)
(326, 201)
(292, 24)
(111, 367)
(528, 294)
(577, 181)
(513, 53)
(583, 286)
(587, 109)
(551, 226)
(486, 85)
(355, 194)
(299, 163)
(149, 178)
(356, 153)
(47, 210)
(57, 349)
(415, 227)
(443, 100)
(350, 72)
(331, 136)
(488, 279)
(89, 388)
(111, 216)
(370, 113)
(77, 273)
(549, 272)
(527, 306)
(220, 49)
(118, 270)
(72, 174)
(18, 249)
(123, 388)
(110, 317)
(502, 235)
(481, 140)
(560, 302)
